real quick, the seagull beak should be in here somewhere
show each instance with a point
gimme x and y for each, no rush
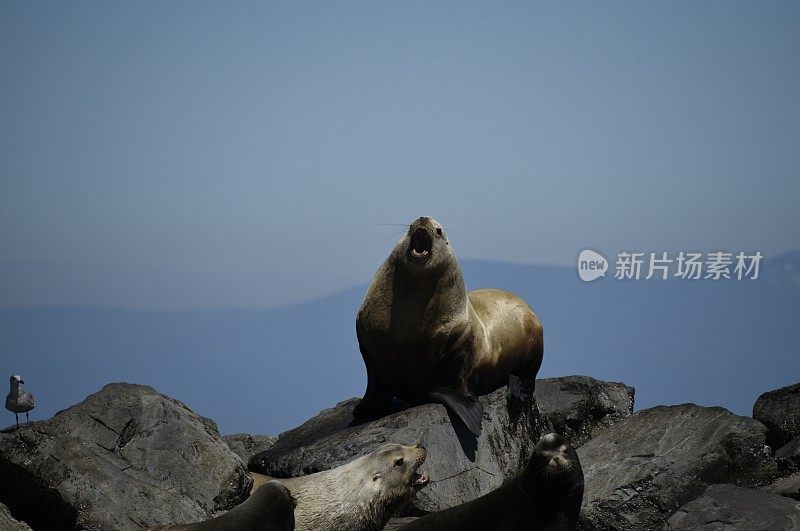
(20, 381)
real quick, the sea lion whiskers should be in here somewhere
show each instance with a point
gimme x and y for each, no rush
(561, 463)
(392, 235)
(387, 224)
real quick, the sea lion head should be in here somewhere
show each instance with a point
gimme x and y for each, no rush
(425, 247)
(362, 494)
(394, 472)
(555, 461)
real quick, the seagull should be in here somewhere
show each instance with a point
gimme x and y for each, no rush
(19, 400)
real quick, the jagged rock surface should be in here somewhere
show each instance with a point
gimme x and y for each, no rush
(579, 407)
(460, 467)
(779, 411)
(124, 458)
(9, 523)
(246, 446)
(642, 469)
(732, 507)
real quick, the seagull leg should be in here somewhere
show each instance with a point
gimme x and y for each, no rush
(16, 415)
(28, 418)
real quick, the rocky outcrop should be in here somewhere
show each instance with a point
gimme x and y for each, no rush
(128, 457)
(779, 411)
(246, 446)
(9, 523)
(125, 458)
(732, 507)
(579, 407)
(460, 467)
(642, 469)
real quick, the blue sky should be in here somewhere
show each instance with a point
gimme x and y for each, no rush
(195, 155)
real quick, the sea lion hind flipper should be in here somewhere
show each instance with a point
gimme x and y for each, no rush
(467, 408)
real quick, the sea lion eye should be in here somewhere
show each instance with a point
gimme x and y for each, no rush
(398, 461)
(439, 232)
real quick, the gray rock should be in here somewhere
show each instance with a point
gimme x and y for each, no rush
(642, 469)
(732, 507)
(246, 446)
(460, 467)
(9, 523)
(579, 407)
(779, 410)
(789, 487)
(124, 458)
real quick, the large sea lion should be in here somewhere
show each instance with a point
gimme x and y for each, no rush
(424, 338)
(547, 494)
(269, 508)
(361, 495)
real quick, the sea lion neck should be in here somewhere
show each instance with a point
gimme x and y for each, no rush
(440, 290)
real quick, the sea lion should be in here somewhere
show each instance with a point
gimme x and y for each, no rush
(269, 508)
(424, 338)
(547, 494)
(361, 495)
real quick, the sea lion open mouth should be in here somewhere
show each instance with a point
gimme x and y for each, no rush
(421, 244)
(419, 480)
(559, 464)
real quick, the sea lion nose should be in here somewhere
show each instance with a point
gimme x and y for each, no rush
(423, 220)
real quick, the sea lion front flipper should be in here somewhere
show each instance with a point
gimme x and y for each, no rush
(377, 399)
(466, 408)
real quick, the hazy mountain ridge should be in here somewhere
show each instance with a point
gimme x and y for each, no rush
(262, 371)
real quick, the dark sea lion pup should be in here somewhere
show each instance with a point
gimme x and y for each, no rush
(270, 508)
(424, 338)
(547, 494)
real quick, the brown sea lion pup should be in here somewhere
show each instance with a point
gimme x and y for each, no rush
(269, 508)
(547, 494)
(361, 495)
(424, 338)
